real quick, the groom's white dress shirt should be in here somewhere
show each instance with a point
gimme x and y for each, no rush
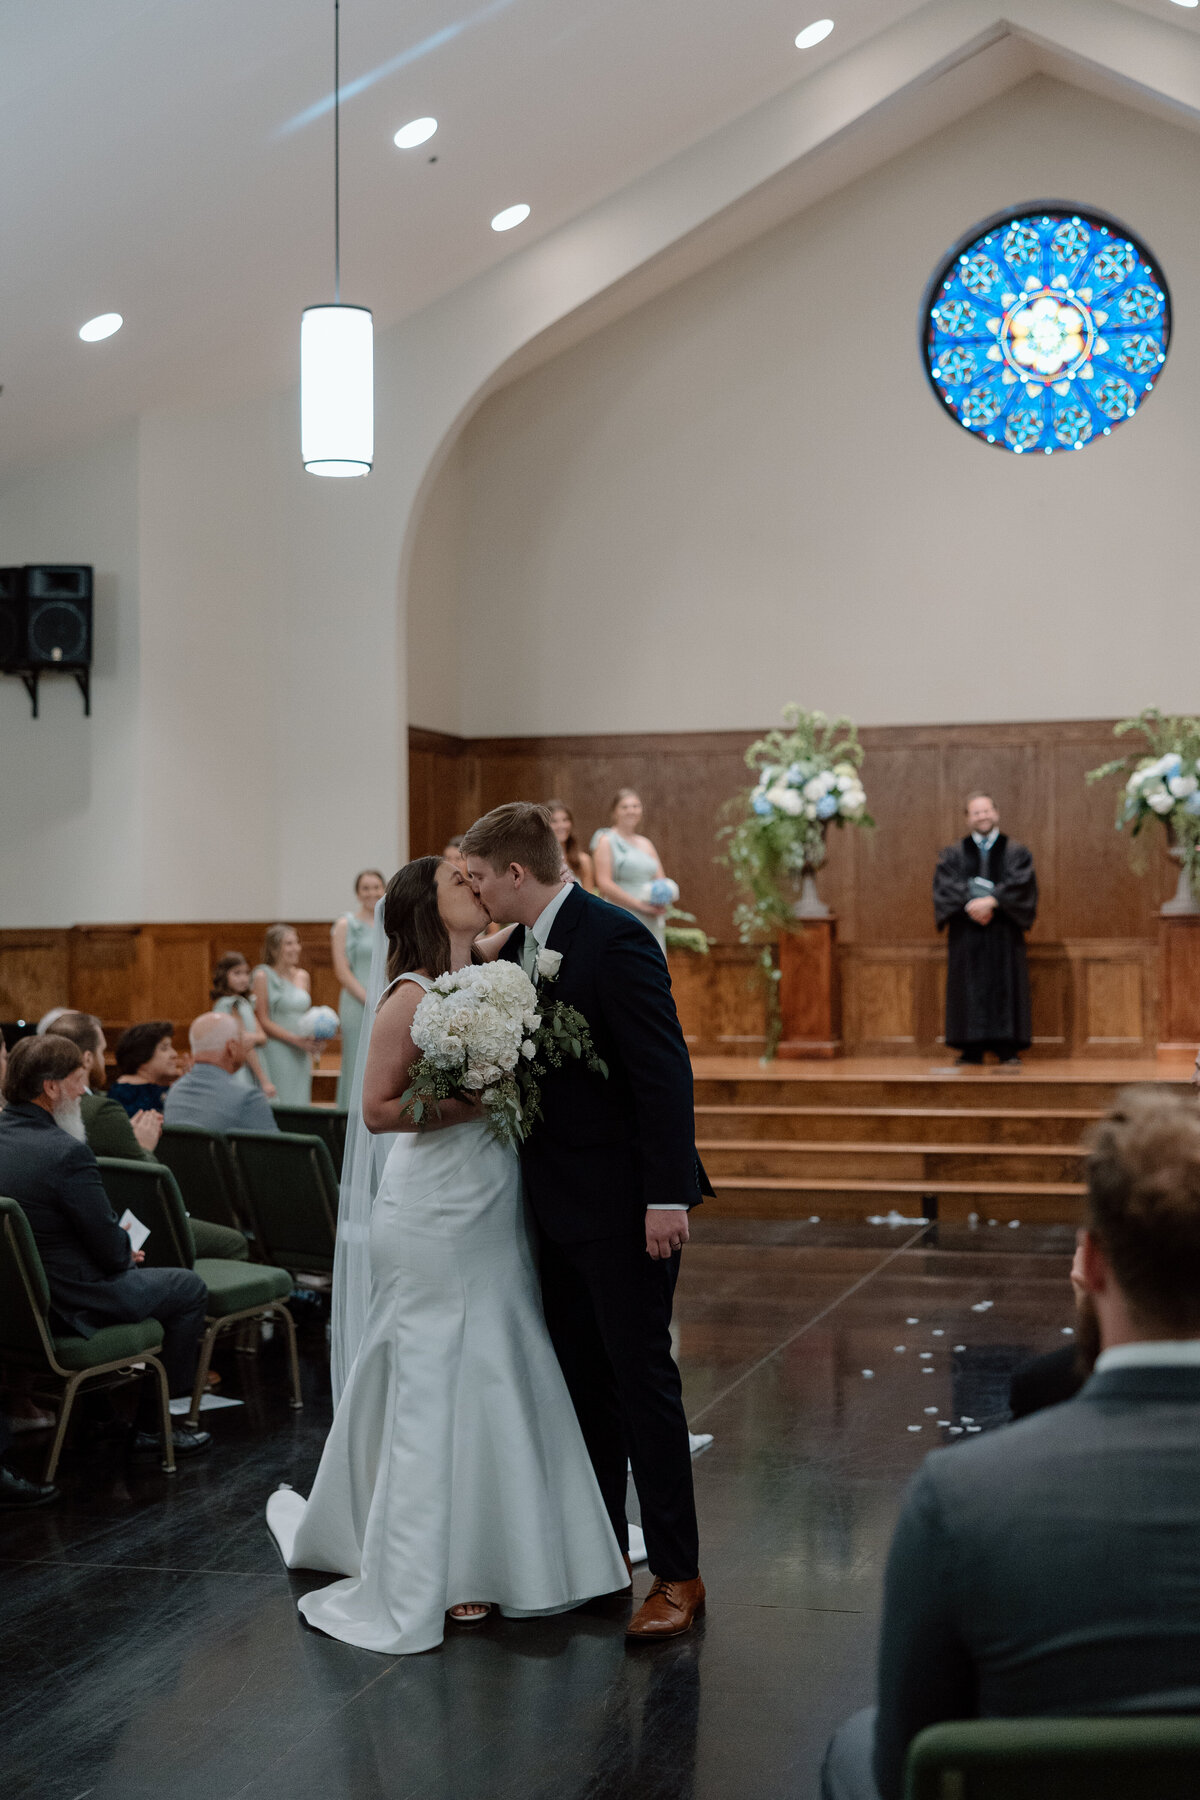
(1162, 1353)
(536, 937)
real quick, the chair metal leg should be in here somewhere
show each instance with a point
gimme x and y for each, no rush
(165, 1396)
(289, 1325)
(64, 1413)
(202, 1366)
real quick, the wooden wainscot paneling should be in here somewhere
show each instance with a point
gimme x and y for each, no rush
(34, 972)
(1179, 983)
(1090, 997)
(720, 1001)
(125, 973)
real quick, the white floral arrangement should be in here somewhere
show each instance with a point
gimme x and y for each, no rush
(804, 790)
(1164, 785)
(484, 1036)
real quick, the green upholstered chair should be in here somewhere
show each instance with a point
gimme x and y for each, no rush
(1150, 1758)
(237, 1291)
(292, 1192)
(328, 1122)
(203, 1167)
(28, 1341)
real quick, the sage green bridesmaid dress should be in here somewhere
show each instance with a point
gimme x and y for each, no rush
(359, 942)
(634, 871)
(290, 1070)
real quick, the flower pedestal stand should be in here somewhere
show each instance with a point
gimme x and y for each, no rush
(1178, 983)
(810, 1002)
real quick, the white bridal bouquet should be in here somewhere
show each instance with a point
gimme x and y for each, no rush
(484, 1035)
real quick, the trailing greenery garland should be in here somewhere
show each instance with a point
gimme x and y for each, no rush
(808, 779)
(1164, 785)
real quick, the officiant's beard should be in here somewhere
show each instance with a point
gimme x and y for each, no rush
(68, 1116)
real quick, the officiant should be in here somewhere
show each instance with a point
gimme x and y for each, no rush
(985, 894)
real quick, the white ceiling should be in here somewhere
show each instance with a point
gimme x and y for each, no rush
(159, 164)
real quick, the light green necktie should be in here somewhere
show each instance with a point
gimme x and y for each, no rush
(529, 955)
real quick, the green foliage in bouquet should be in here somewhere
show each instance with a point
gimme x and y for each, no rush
(807, 780)
(683, 933)
(1165, 785)
(564, 1034)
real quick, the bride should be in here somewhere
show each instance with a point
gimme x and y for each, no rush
(455, 1475)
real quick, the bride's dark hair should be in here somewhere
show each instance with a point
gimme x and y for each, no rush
(417, 938)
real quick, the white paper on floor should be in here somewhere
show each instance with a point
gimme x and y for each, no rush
(209, 1403)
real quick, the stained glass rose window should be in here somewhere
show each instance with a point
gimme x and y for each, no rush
(1046, 328)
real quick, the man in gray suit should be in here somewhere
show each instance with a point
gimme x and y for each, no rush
(1053, 1567)
(210, 1094)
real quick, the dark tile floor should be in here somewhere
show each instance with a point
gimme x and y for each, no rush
(149, 1643)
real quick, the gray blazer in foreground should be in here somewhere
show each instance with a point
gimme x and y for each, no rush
(211, 1099)
(1050, 1567)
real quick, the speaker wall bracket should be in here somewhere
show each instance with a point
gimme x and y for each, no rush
(32, 677)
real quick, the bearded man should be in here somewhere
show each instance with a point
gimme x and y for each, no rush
(91, 1267)
(985, 892)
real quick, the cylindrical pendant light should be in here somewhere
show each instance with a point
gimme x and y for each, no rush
(337, 365)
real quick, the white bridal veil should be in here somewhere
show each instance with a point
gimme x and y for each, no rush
(362, 1168)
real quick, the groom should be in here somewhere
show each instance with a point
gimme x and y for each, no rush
(610, 1173)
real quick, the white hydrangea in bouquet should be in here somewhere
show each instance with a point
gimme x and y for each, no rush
(485, 1035)
(1164, 785)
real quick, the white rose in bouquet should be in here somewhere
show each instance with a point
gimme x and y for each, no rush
(1183, 785)
(1159, 800)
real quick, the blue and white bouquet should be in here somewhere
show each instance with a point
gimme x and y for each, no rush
(319, 1022)
(1164, 785)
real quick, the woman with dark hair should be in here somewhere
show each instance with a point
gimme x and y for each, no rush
(230, 993)
(455, 1476)
(282, 996)
(147, 1063)
(352, 937)
(575, 861)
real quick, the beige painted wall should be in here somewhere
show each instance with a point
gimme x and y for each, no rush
(745, 491)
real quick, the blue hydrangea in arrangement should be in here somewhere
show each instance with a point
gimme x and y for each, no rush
(1163, 786)
(1046, 328)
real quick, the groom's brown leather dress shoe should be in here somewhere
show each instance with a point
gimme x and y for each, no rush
(669, 1608)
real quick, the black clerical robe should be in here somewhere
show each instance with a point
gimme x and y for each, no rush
(987, 982)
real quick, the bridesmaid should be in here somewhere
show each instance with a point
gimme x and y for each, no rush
(627, 863)
(577, 861)
(230, 993)
(282, 996)
(352, 939)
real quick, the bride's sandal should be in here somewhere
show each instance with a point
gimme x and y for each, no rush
(469, 1612)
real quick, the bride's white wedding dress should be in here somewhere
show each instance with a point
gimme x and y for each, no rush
(455, 1469)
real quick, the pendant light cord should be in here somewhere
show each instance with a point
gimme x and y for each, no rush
(337, 153)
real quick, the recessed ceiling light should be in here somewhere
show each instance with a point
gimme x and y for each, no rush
(1187, 2)
(417, 131)
(819, 30)
(512, 215)
(102, 326)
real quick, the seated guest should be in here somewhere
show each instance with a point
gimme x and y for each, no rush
(111, 1132)
(453, 854)
(15, 1491)
(47, 1019)
(210, 1095)
(92, 1270)
(147, 1064)
(1050, 1567)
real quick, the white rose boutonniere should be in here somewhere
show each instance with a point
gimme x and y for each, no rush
(548, 964)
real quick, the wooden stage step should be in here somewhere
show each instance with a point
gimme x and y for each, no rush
(858, 1138)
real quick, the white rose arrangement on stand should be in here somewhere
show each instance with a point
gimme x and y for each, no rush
(1163, 786)
(808, 779)
(486, 1035)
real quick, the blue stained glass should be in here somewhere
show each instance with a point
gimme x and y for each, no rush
(1045, 328)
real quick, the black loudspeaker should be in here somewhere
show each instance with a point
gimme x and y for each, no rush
(46, 623)
(58, 616)
(12, 617)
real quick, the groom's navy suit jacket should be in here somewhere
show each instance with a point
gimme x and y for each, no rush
(605, 1150)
